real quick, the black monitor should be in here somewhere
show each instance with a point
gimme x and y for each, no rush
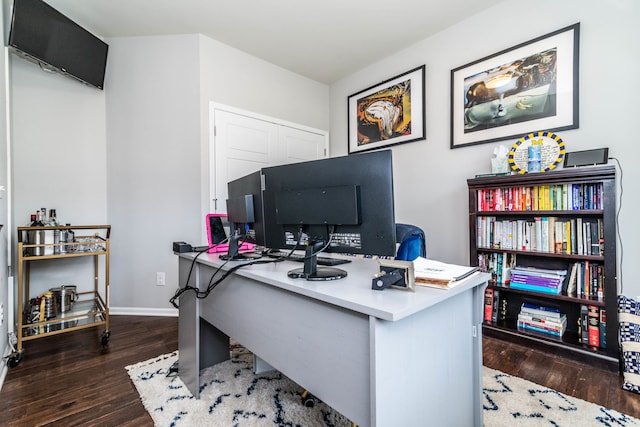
(244, 213)
(340, 204)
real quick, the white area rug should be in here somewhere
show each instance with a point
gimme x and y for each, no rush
(231, 395)
(512, 401)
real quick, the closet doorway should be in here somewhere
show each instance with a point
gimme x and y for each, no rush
(242, 142)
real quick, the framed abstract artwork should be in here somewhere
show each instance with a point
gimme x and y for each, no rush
(530, 87)
(388, 113)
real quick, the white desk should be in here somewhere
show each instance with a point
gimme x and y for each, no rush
(380, 358)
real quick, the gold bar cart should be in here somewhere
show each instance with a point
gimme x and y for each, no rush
(91, 309)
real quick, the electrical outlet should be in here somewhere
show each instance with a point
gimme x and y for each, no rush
(1, 314)
(160, 278)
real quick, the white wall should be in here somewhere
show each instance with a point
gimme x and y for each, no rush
(153, 161)
(158, 94)
(430, 178)
(4, 182)
(229, 76)
(59, 145)
(59, 160)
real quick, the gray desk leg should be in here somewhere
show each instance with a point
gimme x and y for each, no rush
(478, 315)
(260, 366)
(188, 333)
(214, 345)
(199, 343)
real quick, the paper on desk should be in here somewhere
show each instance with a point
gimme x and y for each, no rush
(438, 274)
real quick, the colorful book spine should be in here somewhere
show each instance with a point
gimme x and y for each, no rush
(536, 288)
(593, 326)
(541, 310)
(603, 327)
(584, 324)
(526, 279)
(559, 324)
(528, 326)
(488, 304)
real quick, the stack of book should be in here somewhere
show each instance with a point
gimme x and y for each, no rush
(543, 319)
(538, 280)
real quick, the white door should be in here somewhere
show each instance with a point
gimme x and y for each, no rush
(298, 145)
(242, 143)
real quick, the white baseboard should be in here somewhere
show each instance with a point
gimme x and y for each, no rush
(143, 311)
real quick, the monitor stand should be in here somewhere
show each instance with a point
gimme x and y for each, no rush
(232, 251)
(311, 271)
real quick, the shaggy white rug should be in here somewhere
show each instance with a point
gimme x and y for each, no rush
(231, 395)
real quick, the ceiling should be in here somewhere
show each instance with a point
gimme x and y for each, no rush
(324, 40)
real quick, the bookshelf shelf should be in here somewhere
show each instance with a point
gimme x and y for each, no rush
(576, 300)
(563, 221)
(543, 254)
(591, 212)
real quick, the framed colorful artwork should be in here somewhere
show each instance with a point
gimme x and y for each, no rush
(388, 113)
(530, 87)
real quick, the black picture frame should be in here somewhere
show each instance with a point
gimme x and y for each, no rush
(389, 113)
(529, 87)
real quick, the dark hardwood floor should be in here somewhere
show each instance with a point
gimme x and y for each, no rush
(69, 380)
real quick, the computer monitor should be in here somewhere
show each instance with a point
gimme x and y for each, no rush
(244, 214)
(340, 204)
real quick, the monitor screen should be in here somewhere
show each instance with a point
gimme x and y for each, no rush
(42, 34)
(340, 204)
(244, 213)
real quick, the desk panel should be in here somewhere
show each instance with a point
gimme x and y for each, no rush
(322, 347)
(380, 358)
(424, 367)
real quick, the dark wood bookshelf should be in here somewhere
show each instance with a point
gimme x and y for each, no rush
(505, 327)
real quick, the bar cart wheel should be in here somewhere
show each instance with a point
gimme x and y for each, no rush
(14, 359)
(308, 399)
(106, 335)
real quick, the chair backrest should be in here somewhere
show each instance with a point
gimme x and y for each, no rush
(412, 240)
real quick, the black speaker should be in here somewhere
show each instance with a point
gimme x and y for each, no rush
(598, 156)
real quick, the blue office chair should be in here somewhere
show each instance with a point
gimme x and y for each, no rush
(412, 240)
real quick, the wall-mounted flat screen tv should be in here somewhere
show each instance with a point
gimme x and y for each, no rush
(45, 36)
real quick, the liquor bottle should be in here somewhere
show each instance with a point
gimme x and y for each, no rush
(38, 221)
(53, 218)
(43, 218)
(35, 237)
(49, 235)
(52, 221)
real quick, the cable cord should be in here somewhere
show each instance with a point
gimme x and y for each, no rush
(180, 291)
(212, 284)
(330, 233)
(618, 210)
